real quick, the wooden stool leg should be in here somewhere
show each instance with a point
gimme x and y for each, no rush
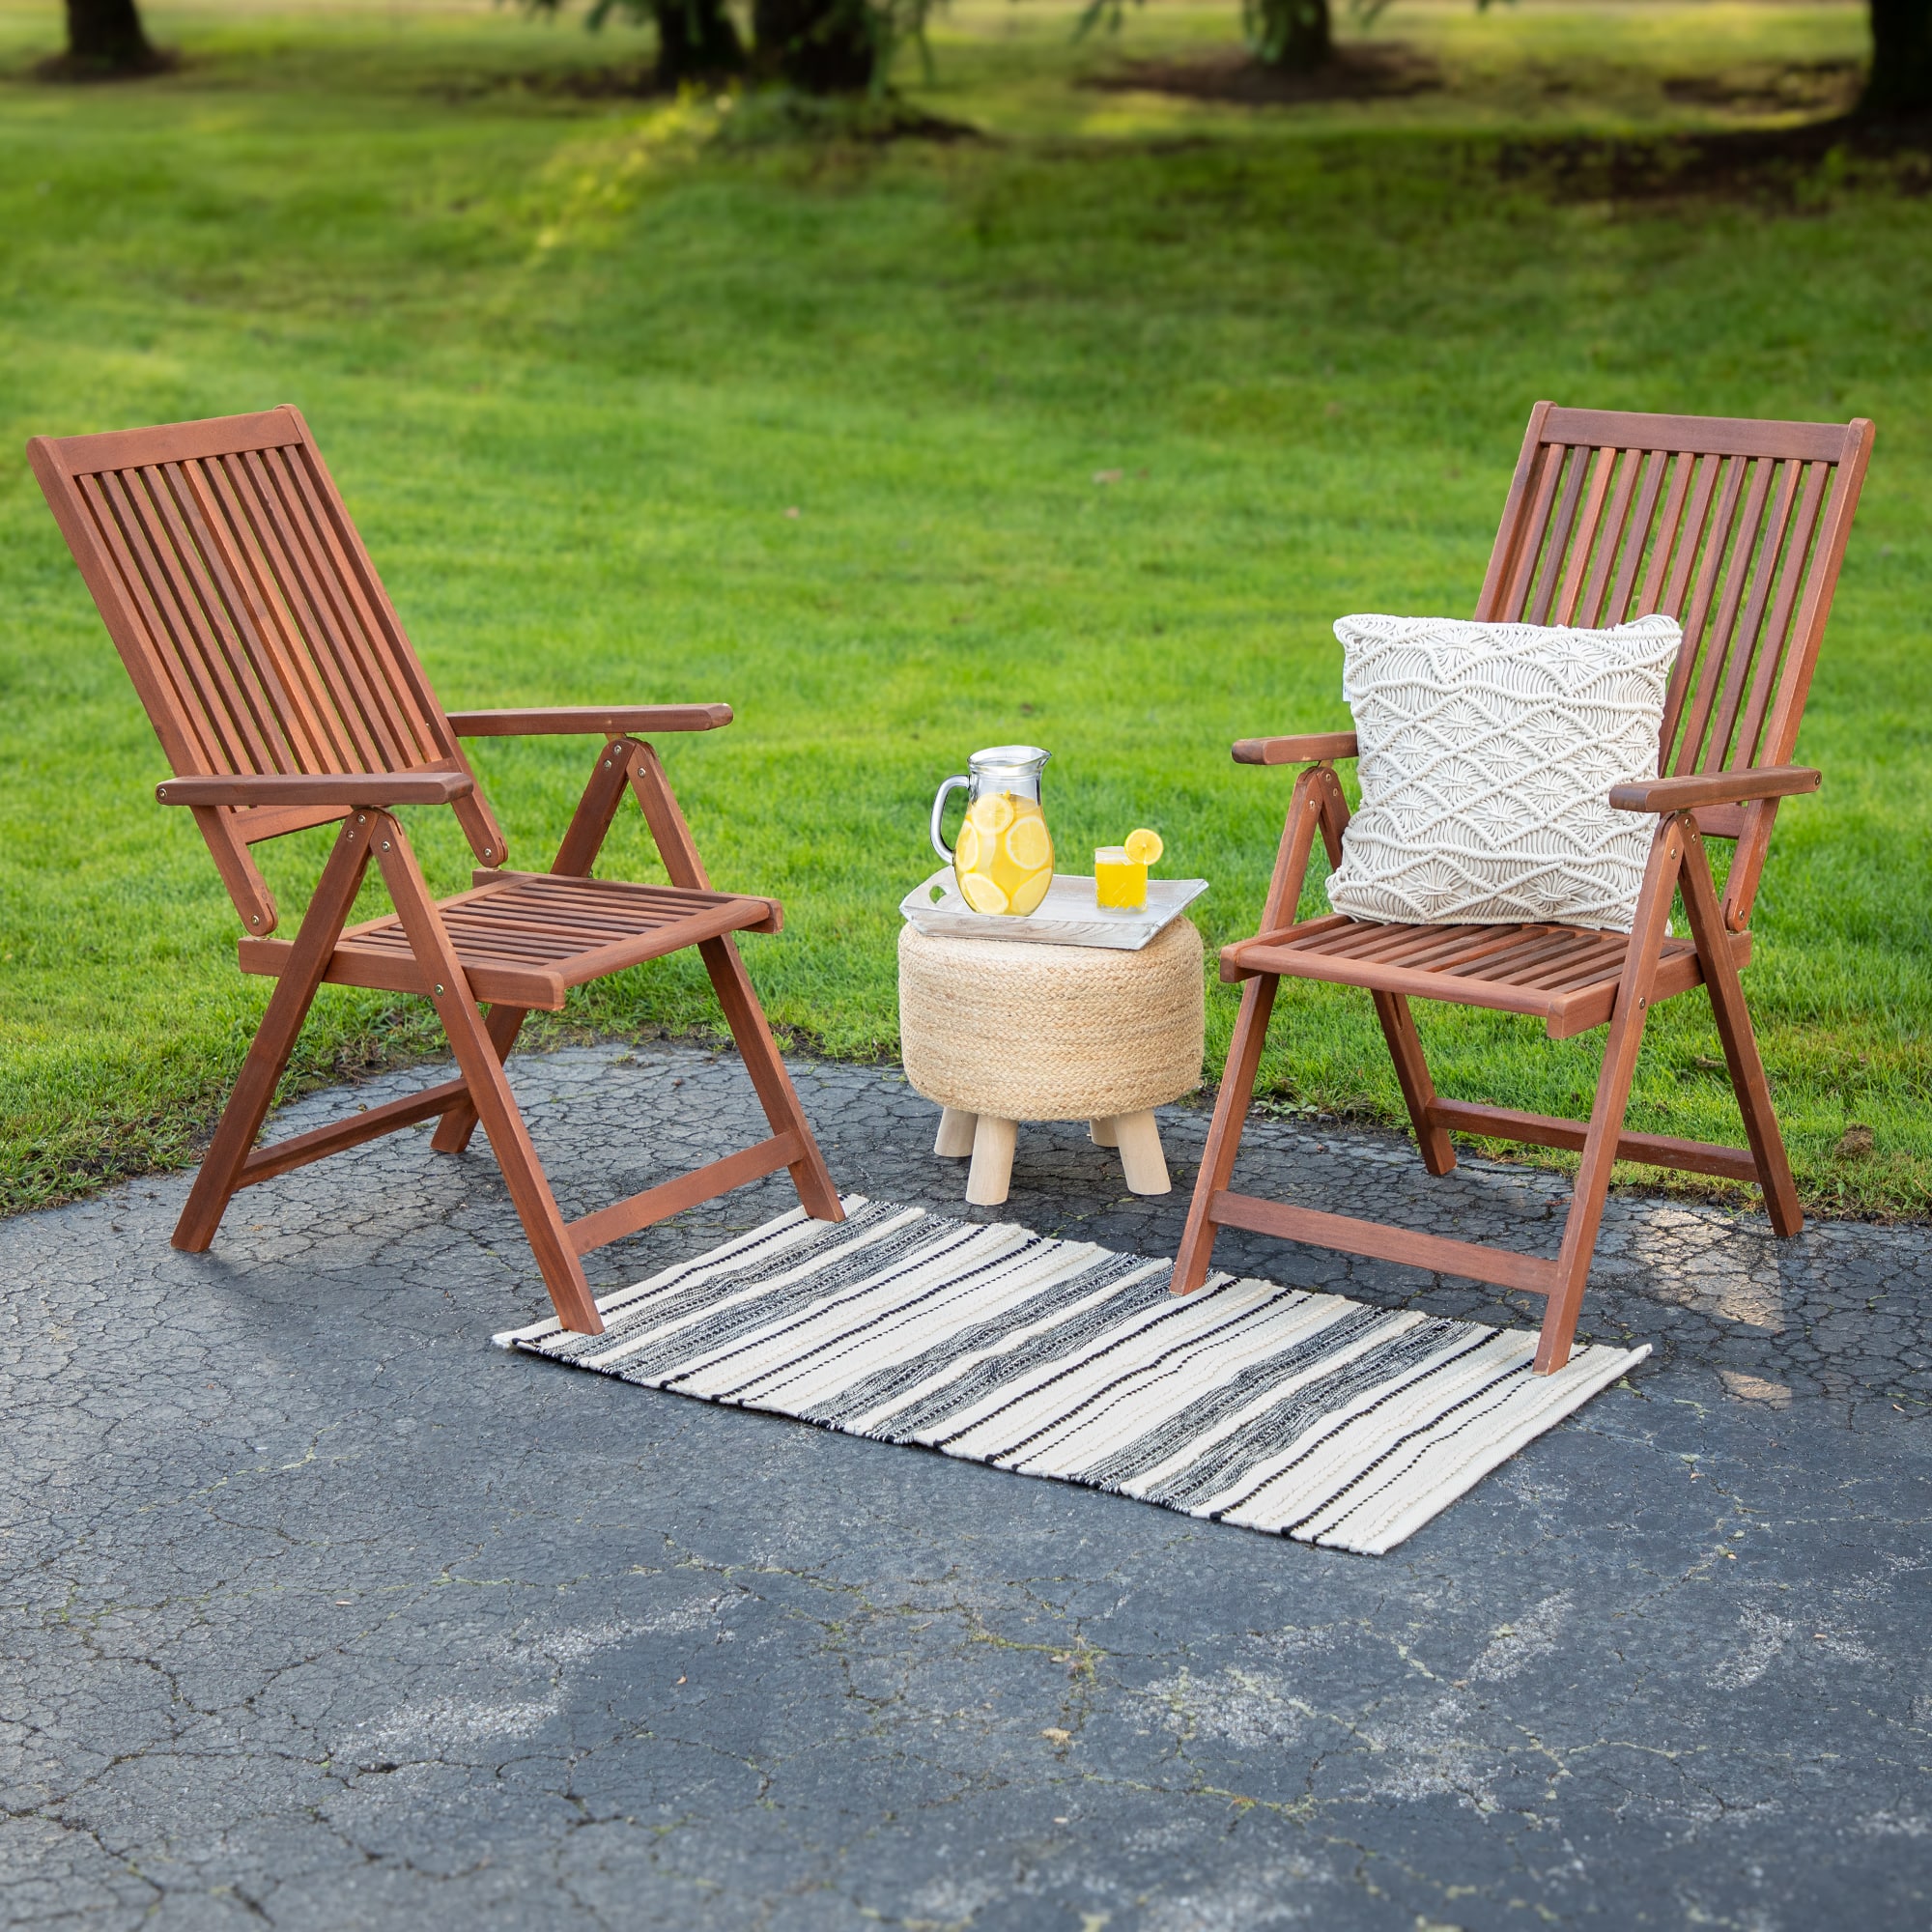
(954, 1138)
(992, 1161)
(1104, 1132)
(1141, 1157)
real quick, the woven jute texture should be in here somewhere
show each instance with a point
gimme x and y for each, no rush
(1051, 1033)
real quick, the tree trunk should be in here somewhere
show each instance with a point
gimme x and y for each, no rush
(695, 41)
(1900, 81)
(1294, 36)
(106, 37)
(818, 47)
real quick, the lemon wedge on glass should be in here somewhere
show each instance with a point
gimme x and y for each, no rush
(1144, 847)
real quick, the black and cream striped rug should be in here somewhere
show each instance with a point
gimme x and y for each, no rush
(1307, 1416)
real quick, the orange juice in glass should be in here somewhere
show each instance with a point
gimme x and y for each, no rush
(1120, 871)
(1119, 884)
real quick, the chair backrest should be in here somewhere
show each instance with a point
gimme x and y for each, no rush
(1734, 527)
(247, 612)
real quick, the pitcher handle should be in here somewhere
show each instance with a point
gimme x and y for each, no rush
(939, 798)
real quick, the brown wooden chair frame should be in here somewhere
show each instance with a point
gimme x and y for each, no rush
(1737, 528)
(285, 693)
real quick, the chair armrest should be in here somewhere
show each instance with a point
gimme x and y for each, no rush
(1694, 789)
(1308, 750)
(601, 721)
(344, 788)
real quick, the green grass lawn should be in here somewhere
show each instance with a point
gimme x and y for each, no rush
(574, 360)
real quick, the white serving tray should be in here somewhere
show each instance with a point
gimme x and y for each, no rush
(1067, 916)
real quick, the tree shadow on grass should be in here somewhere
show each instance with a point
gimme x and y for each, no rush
(1790, 167)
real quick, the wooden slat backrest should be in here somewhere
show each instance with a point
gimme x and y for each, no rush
(250, 618)
(1735, 527)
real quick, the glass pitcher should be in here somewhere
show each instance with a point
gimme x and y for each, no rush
(1003, 861)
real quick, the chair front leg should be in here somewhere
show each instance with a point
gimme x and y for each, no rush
(1310, 807)
(483, 1074)
(1316, 803)
(1709, 928)
(276, 1037)
(1224, 1135)
(1613, 1087)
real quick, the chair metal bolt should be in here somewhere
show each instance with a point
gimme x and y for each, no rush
(439, 992)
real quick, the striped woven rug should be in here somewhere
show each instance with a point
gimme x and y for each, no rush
(1306, 1415)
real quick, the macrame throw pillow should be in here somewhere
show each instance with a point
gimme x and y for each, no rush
(1487, 754)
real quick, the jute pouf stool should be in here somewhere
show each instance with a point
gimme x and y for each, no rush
(999, 1031)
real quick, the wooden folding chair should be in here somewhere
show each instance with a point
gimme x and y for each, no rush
(284, 694)
(1737, 528)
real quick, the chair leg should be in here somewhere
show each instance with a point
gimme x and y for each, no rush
(1411, 1072)
(1613, 1087)
(1105, 1131)
(453, 1131)
(1740, 1054)
(1224, 1136)
(483, 1074)
(582, 840)
(732, 984)
(274, 1039)
(954, 1139)
(746, 1018)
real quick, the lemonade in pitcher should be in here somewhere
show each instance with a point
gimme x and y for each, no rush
(1004, 860)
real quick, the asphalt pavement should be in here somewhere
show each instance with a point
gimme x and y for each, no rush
(320, 1611)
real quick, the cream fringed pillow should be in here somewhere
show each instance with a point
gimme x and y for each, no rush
(1487, 754)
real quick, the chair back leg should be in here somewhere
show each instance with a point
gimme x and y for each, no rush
(779, 1098)
(732, 985)
(582, 840)
(454, 1131)
(1734, 1029)
(1411, 1072)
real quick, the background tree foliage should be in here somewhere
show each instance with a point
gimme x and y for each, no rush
(818, 47)
(848, 47)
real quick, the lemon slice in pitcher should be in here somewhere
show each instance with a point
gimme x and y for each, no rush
(991, 815)
(1144, 847)
(966, 854)
(980, 893)
(1029, 844)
